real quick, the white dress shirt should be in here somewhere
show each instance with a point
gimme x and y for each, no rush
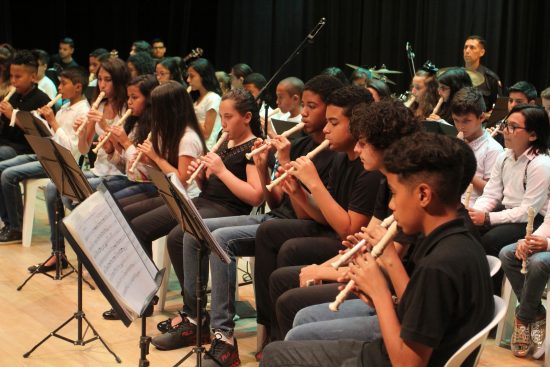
(517, 184)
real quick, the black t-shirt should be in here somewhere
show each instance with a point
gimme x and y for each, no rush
(351, 186)
(322, 162)
(234, 159)
(490, 88)
(449, 297)
(14, 136)
(56, 59)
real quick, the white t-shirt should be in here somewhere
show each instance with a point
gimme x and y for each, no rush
(190, 145)
(103, 166)
(211, 101)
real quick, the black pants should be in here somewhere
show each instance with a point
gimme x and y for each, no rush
(151, 219)
(308, 250)
(270, 238)
(315, 353)
(289, 298)
(498, 236)
(207, 209)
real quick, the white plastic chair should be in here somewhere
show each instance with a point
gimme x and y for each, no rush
(162, 260)
(494, 264)
(478, 340)
(30, 188)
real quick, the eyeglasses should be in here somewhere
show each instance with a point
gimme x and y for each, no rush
(512, 128)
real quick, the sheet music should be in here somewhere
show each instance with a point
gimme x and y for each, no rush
(105, 237)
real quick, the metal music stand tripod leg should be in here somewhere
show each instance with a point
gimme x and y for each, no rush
(59, 255)
(79, 316)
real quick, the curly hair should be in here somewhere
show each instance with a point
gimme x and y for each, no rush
(349, 96)
(436, 159)
(143, 62)
(382, 123)
(323, 85)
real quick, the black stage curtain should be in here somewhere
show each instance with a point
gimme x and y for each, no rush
(263, 33)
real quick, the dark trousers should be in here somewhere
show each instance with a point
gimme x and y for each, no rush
(496, 237)
(207, 209)
(270, 238)
(308, 250)
(151, 219)
(314, 353)
(289, 298)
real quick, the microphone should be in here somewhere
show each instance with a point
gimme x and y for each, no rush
(409, 50)
(316, 30)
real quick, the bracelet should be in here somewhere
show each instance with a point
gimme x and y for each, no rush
(487, 221)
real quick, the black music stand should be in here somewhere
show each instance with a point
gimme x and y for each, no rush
(62, 169)
(32, 126)
(499, 112)
(440, 128)
(186, 213)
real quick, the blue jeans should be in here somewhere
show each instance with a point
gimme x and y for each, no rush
(13, 171)
(51, 195)
(527, 287)
(233, 234)
(135, 188)
(355, 320)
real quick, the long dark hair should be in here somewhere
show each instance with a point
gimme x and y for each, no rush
(146, 84)
(427, 102)
(173, 64)
(204, 68)
(244, 102)
(172, 113)
(455, 79)
(536, 121)
(120, 76)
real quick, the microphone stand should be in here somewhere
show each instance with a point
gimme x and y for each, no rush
(410, 56)
(309, 39)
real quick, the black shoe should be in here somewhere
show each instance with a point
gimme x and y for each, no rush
(183, 335)
(111, 315)
(10, 236)
(166, 325)
(41, 268)
(226, 354)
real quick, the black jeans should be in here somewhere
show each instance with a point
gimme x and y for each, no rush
(315, 353)
(289, 298)
(270, 238)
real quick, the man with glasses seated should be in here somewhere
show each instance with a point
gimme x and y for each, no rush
(520, 179)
